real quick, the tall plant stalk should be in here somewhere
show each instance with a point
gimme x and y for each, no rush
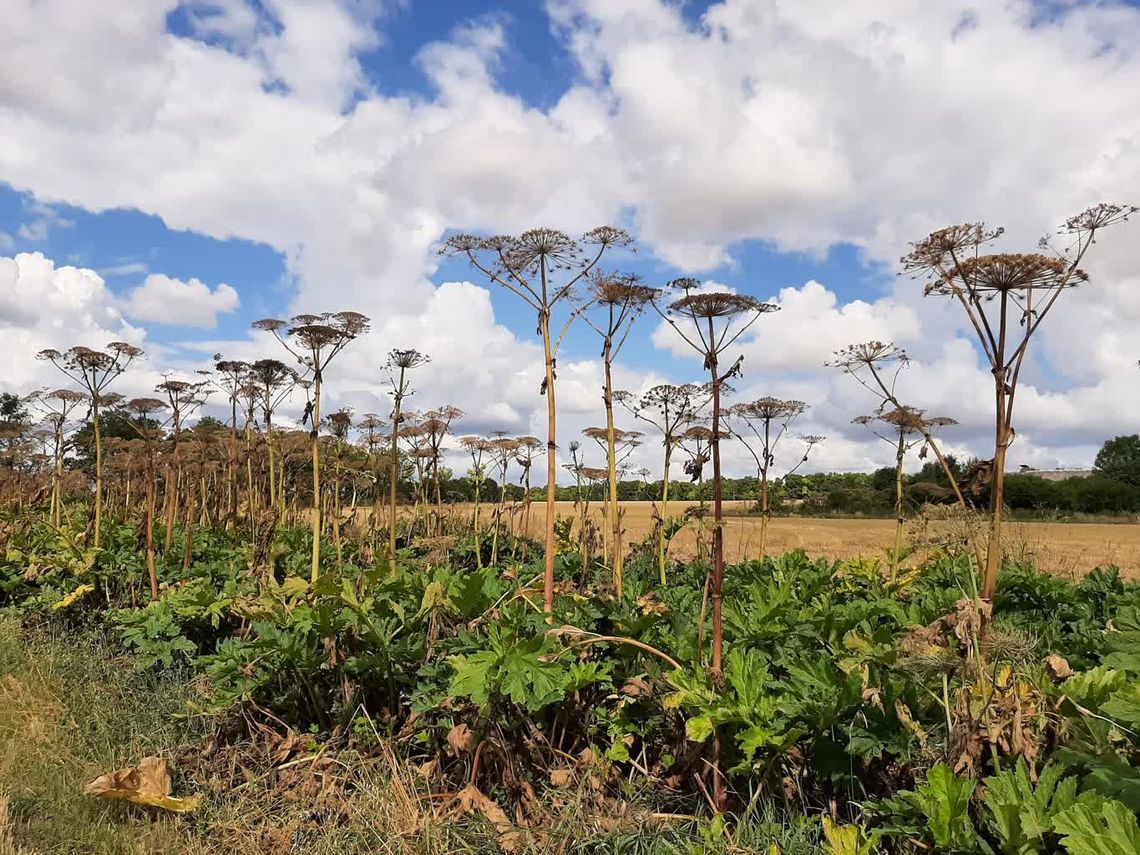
(757, 417)
(400, 362)
(142, 409)
(717, 320)
(95, 371)
(315, 340)
(58, 406)
(1006, 298)
(184, 399)
(620, 299)
(542, 268)
(670, 409)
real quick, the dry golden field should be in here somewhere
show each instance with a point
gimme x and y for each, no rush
(1063, 548)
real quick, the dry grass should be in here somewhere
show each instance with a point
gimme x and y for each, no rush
(1062, 548)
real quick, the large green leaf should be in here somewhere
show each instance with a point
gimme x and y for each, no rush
(1099, 827)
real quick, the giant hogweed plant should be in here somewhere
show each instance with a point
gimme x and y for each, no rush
(1006, 297)
(542, 267)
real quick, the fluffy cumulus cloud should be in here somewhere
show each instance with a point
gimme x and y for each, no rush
(798, 124)
(43, 306)
(164, 300)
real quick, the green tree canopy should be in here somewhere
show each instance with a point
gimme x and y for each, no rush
(1119, 459)
(12, 410)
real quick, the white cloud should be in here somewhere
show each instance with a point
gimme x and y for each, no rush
(44, 219)
(165, 300)
(125, 268)
(43, 306)
(799, 124)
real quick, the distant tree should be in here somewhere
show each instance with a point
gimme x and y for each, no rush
(1119, 459)
(209, 424)
(13, 412)
(14, 424)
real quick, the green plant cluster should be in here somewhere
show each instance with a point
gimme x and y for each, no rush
(879, 705)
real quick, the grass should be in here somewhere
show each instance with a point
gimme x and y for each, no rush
(72, 706)
(71, 709)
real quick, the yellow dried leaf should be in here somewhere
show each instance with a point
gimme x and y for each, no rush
(147, 784)
(81, 591)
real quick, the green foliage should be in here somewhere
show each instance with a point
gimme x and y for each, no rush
(939, 811)
(1021, 814)
(824, 695)
(1097, 826)
(1119, 459)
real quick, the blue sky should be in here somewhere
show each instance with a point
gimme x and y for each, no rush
(123, 246)
(338, 163)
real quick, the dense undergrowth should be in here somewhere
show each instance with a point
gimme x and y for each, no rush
(432, 706)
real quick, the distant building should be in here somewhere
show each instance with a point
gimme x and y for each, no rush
(1057, 474)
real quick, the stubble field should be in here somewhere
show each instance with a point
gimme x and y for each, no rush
(1070, 549)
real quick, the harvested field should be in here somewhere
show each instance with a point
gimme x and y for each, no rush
(1062, 548)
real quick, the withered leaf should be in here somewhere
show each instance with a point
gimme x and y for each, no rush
(146, 784)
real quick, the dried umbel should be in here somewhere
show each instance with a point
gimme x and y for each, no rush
(767, 409)
(339, 422)
(319, 337)
(1008, 272)
(667, 406)
(95, 367)
(407, 359)
(868, 354)
(589, 473)
(906, 421)
(371, 424)
(600, 434)
(697, 433)
(718, 304)
(474, 443)
(607, 236)
(271, 373)
(612, 289)
(66, 396)
(233, 371)
(446, 414)
(948, 246)
(1098, 217)
(145, 406)
(1020, 289)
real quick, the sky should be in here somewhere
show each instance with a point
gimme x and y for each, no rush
(172, 171)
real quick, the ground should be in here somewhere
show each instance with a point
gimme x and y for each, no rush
(1069, 549)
